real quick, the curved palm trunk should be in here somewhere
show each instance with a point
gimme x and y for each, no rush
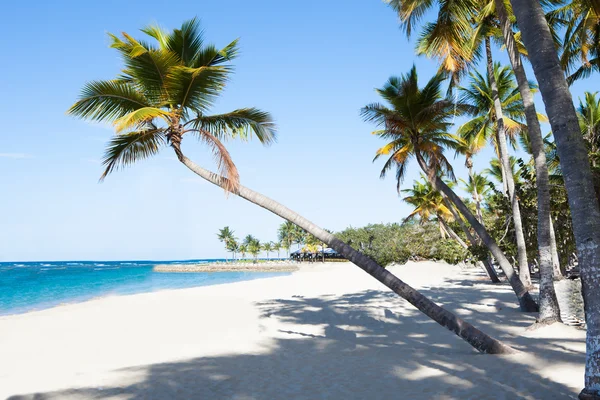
(476, 338)
(524, 274)
(576, 170)
(549, 310)
(525, 300)
(487, 265)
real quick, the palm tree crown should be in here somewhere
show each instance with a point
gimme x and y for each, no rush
(164, 91)
(427, 201)
(416, 121)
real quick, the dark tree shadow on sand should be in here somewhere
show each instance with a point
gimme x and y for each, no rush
(365, 345)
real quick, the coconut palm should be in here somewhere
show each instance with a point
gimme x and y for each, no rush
(164, 94)
(429, 203)
(267, 247)
(277, 248)
(495, 170)
(233, 247)
(588, 114)
(580, 22)
(225, 236)
(286, 233)
(585, 211)
(243, 249)
(415, 125)
(479, 186)
(482, 95)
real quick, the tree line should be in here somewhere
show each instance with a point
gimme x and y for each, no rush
(288, 234)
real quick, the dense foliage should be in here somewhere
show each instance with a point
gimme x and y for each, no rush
(395, 243)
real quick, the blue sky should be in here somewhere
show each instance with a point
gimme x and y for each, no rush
(312, 64)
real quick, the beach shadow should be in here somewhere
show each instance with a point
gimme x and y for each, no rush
(365, 345)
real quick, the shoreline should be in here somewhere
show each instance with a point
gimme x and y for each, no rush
(228, 267)
(266, 338)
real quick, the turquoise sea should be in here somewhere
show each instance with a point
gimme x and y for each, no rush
(27, 286)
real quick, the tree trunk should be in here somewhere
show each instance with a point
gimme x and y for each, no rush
(453, 234)
(525, 300)
(557, 275)
(524, 274)
(487, 265)
(443, 231)
(549, 310)
(575, 166)
(466, 331)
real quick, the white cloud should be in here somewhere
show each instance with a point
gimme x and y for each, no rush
(15, 155)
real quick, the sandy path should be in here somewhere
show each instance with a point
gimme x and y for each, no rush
(323, 333)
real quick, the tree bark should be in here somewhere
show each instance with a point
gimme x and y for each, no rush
(487, 265)
(557, 275)
(575, 166)
(472, 335)
(525, 300)
(549, 309)
(524, 274)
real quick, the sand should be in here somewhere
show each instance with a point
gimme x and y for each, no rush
(324, 332)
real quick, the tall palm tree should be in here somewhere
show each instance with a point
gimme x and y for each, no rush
(243, 249)
(585, 211)
(416, 125)
(482, 95)
(226, 237)
(234, 247)
(164, 93)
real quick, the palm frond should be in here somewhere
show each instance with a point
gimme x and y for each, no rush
(126, 149)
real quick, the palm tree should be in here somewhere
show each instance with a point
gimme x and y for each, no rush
(243, 249)
(299, 235)
(286, 234)
(254, 248)
(165, 91)
(233, 247)
(428, 203)
(277, 248)
(580, 22)
(495, 170)
(585, 211)
(588, 114)
(479, 186)
(267, 247)
(225, 236)
(482, 95)
(416, 125)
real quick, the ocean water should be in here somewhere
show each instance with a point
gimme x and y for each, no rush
(28, 286)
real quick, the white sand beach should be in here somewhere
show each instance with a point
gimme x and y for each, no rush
(324, 332)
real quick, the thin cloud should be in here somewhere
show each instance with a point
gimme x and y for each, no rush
(15, 156)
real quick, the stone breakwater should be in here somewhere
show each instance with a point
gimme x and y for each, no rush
(224, 267)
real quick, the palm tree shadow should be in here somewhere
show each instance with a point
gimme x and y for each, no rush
(368, 344)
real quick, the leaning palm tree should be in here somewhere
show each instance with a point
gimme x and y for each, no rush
(585, 211)
(481, 95)
(416, 124)
(163, 96)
